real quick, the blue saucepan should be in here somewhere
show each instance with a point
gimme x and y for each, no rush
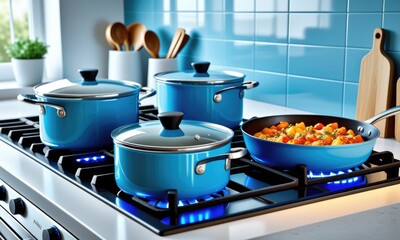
(211, 96)
(191, 157)
(81, 115)
(316, 158)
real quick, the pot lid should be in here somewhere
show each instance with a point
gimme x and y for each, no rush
(88, 88)
(201, 75)
(172, 135)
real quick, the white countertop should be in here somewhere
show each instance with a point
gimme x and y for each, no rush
(292, 223)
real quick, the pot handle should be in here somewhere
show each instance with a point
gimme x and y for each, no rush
(246, 85)
(150, 92)
(235, 153)
(31, 99)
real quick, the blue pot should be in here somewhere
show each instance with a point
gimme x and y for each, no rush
(82, 115)
(192, 158)
(211, 96)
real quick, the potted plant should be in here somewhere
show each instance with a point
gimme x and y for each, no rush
(27, 60)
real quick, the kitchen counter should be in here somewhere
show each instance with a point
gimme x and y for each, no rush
(379, 209)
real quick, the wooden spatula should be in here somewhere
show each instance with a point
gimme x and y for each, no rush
(376, 85)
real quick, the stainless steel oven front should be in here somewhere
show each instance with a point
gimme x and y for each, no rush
(21, 219)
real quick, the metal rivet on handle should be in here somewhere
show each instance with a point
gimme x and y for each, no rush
(217, 98)
(42, 110)
(241, 93)
(200, 169)
(61, 113)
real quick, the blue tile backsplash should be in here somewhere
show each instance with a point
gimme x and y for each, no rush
(306, 54)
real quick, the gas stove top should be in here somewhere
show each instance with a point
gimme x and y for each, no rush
(253, 189)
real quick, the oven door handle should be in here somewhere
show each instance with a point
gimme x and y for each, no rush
(32, 99)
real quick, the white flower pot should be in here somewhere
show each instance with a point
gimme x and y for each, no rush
(28, 72)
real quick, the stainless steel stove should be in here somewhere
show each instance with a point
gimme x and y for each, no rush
(53, 194)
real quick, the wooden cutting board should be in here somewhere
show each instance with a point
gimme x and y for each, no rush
(376, 85)
(397, 117)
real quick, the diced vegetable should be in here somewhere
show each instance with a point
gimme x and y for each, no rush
(317, 135)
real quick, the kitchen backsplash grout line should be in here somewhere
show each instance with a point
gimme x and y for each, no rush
(295, 41)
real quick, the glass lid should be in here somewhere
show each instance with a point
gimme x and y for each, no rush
(171, 134)
(88, 88)
(200, 75)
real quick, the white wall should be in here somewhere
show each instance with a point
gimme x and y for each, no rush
(75, 33)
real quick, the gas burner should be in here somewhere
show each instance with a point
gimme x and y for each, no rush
(185, 202)
(341, 183)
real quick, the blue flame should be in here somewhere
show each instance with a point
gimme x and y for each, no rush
(339, 184)
(90, 159)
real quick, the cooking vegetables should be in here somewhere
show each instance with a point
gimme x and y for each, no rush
(317, 135)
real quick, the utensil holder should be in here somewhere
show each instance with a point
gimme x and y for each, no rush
(127, 65)
(158, 65)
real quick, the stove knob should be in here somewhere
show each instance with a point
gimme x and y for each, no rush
(3, 193)
(51, 234)
(17, 206)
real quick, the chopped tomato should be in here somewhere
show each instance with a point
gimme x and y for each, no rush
(358, 139)
(319, 126)
(300, 140)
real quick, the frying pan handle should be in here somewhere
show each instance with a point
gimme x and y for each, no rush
(385, 114)
(246, 85)
(235, 153)
(31, 99)
(150, 92)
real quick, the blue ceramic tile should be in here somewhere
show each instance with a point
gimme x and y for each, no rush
(146, 18)
(272, 27)
(138, 6)
(313, 95)
(365, 6)
(327, 29)
(318, 5)
(210, 5)
(239, 54)
(272, 5)
(391, 23)
(360, 29)
(211, 25)
(271, 57)
(350, 100)
(174, 5)
(239, 6)
(210, 50)
(239, 26)
(272, 88)
(320, 62)
(392, 6)
(353, 63)
(184, 5)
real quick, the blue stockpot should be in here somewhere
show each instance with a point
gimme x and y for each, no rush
(82, 115)
(212, 96)
(316, 158)
(192, 158)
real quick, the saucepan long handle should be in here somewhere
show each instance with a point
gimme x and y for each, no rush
(385, 114)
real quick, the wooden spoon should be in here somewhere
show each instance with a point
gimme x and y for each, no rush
(152, 43)
(176, 41)
(110, 41)
(183, 43)
(119, 34)
(136, 35)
